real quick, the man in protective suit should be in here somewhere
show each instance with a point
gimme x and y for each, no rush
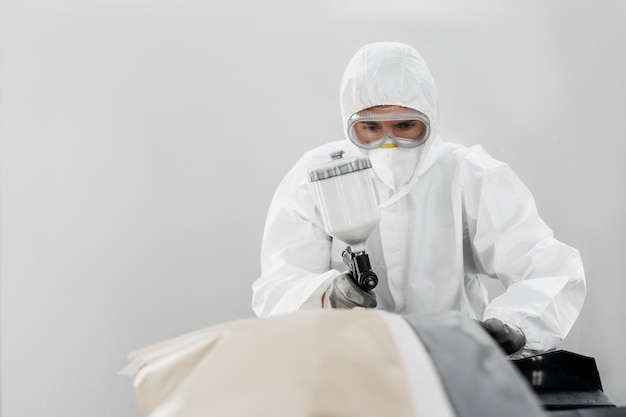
(449, 215)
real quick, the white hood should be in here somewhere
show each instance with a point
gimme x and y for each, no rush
(388, 73)
(392, 73)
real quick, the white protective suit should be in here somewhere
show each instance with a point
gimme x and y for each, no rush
(464, 215)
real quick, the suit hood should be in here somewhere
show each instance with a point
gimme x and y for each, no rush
(388, 73)
(392, 73)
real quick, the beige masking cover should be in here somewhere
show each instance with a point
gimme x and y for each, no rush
(312, 363)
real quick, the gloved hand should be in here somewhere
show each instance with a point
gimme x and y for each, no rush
(344, 293)
(510, 339)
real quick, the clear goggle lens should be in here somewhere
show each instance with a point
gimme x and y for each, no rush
(405, 128)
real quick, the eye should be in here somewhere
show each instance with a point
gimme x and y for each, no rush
(371, 126)
(409, 124)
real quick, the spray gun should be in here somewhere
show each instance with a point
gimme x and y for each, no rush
(360, 269)
(349, 210)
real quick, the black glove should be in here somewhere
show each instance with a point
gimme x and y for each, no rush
(344, 293)
(510, 339)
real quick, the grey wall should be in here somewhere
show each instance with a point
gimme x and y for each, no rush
(142, 141)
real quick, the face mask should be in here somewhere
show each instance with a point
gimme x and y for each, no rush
(393, 165)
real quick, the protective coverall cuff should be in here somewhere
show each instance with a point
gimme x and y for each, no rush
(314, 302)
(325, 301)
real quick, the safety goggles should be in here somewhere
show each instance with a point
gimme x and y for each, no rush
(371, 129)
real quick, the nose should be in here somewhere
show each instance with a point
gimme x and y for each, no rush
(389, 141)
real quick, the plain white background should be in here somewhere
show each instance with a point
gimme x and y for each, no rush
(142, 142)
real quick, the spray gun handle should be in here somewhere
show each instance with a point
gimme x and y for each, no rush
(360, 269)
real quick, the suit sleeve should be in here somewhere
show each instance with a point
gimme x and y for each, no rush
(295, 252)
(544, 278)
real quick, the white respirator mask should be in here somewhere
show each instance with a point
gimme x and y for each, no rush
(394, 166)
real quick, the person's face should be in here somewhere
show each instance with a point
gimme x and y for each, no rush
(371, 131)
